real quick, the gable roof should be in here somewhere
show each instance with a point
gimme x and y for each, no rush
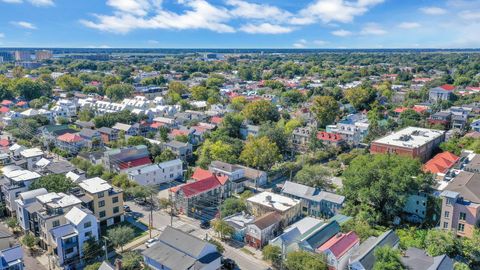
(441, 163)
(340, 243)
(447, 87)
(197, 187)
(70, 138)
(75, 215)
(417, 259)
(467, 185)
(365, 252)
(267, 220)
(200, 174)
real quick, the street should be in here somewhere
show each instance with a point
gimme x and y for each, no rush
(161, 219)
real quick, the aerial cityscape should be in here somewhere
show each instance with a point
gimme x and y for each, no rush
(235, 134)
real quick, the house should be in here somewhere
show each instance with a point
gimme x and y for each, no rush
(104, 200)
(339, 248)
(108, 134)
(301, 138)
(181, 150)
(15, 150)
(441, 118)
(315, 202)
(178, 250)
(331, 139)
(129, 130)
(71, 143)
(353, 128)
(263, 229)
(31, 156)
(93, 138)
(249, 130)
(200, 198)
(289, 209)
(415, 208)
(156, 174)
(413, 142)
(15, 181)
(239, 222)
(122, 159)
(440, 93)
(68, 240)
(475, 125)
(239, 175)
(363, 257)
(25, 199)
(461, 204)
(441, 164)
(64, 108)
(417, 259)
(11, 258)
(306, 234)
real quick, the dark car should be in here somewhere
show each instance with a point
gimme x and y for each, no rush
(228, 264)
(126, 208)
(205, 224)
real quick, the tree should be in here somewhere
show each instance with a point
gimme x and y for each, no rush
(231, 125)
(276, 134)
(85, 115)
(142, 192)
(304, 260)
(291, 125)
(132, 260)
(232, 206)
(261, 111)
(92, 249)
(53, 183)
(166, 155)
(29, 241)
(260, 153)
(326, 109)
(93, 266)
(238, 103)
(314, 176)
(211, 151)
(379, 185)
(438, 242)
(410, 118)
(95, 170)
(272, 253)
(29, 89)
(12, 223)
(387, 258)
(218, 245)
(119, 236)
(222, 228)
(69, 83)
(360, 97)
(471, 248)
(177, 87)
(118, 92)
(199, 92)
(122, 181)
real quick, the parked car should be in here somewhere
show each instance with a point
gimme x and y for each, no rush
(139, 201)
(150, 242)
(228, 264)
(126, 208)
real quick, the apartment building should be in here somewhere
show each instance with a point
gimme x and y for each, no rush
(25, 200)
(461, 204)
(15, 180)
(265, 202)
(104, 200)
(156, 174)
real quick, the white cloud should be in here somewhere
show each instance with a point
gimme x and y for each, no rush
(136, 7)
(265, 28)
(470, 15)
(23, 24)
(373, 29)
(2, 35)
(152, 41)
(302, 43)
(409, 25)
(320, 42)
(38, 3)
(334, 11)
(341, 33)
(13, 1)
(433, 10)
(248, 10)
(199, 15)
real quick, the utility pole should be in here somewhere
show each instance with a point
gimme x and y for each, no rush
(105, 245)
(151, 214)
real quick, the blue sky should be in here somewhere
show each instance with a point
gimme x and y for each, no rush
(241, 23)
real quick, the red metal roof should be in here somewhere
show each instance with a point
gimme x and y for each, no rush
(194, 188)
(4, 142)
(135, 163)
(157, 125)
(340, 244)
(21, 103)
(200, 174)
(70, 138)
(440, 163)
(178, 132)
(447, 87)
(4, 109)
(6, 102)
(327, 136)
(216, 120)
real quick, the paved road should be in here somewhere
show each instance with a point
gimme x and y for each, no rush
(161, 219)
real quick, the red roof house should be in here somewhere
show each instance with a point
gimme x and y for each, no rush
(4, 109)
(135, 163)
(200, 174)
(6, 102)
(447, 87)
(21, 104)
(70, 138)
(440, 163)
(337, 247)
(330, 138)
(4, 143)
(177, 132)
(216, 120)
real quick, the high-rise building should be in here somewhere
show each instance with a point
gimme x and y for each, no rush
(43, 55)
(23, 55)
(7, 56)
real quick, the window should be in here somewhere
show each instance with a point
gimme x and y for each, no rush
(101, 194)
(445, 225)
(115, 209)
(463, 216)
(101, 203)
(114, 199)
(88, 235)
(68, 250)
(461, 227)
(446, 214)
(102, 214)
(87, 225)
(56, 223)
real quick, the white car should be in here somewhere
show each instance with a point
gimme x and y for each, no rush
(150, 242)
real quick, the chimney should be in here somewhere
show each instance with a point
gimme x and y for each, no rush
(118, 264)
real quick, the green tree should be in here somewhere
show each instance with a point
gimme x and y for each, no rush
(238, 103)
(380, 184)
(232, 206)
(260, 153)
(326, 109)
(291, 125)
(360, 97)
(118, 92)
(199, 92)
(166, 155)
(218, 245)
(272, 253)
(304, 260)
(231, 125)
(387, 258)
(438, 242)
(177, 87)
(92, 249)
(12, 223)
(211, 151)
(29, 241)
(95, 170)
(471, 248)
(122, 181)
(260, 111)
(276, 134)
(53, 183)
(93, 266)
(29, 89)
(120, 236)
(85, 115)
(314, 176)
(69, 83)
(132, 260)
(410, 118)
(222, 228)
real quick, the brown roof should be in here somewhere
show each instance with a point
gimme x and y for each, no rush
(467, 184)
(267, 220)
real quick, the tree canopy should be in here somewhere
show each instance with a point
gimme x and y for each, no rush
(53, 183)
(260, 111)
(326, 109)
(260, 153)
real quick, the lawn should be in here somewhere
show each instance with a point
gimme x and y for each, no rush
(137, 232)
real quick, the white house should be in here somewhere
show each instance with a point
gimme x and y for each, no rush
(31, 156)
(155, 174)
(24, 200)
